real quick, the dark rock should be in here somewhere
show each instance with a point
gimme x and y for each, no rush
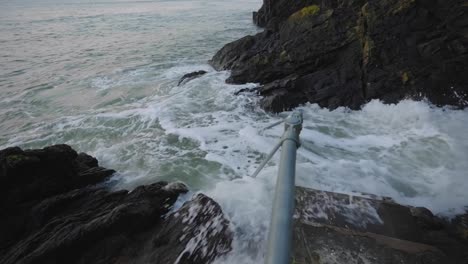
(454, 241)
(227, 56)
(345, 53)
(426, 219)
(197, 233)
(358, 213)
(87, 160)
(334, 245)
(246, 90)
(459, 226)
(340, 228)
(51, 211)
(274, 10)
(37, 174)
(190, 76)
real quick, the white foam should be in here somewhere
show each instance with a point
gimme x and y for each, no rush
(202, 134)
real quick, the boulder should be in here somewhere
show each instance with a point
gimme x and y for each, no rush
(345, 53)
(52, 211)
(338, 228)
(459, 226)
(196, 233)
(190, 76)
(33, 175)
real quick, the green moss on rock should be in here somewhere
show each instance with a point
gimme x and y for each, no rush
(367, 49)
(403, 5)
(284, 56)
(405, 77)
(15, 158)
(261, 60)
(305, 12)
(464, 233)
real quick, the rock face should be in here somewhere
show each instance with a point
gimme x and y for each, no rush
(52, 212)
(339, 228)
(347, 52)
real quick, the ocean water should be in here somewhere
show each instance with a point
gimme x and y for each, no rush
(102, 76)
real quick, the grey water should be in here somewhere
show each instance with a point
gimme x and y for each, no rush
(102, 77)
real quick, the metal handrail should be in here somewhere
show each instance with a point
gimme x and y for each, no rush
(279, 246)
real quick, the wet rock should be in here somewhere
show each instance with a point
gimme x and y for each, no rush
(459, 226)
(361, 214)
(246, 90)
(32, 175)
(339, 228)
(52, 211)
(425, 219)
(197, 233)
(225, 58)
(176, 186)
(345, 53)
(190, 76)
(87, 160)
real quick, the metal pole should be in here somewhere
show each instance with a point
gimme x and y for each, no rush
(280, 235)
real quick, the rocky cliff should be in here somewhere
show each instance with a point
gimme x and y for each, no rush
(52, 211)
(347, 52)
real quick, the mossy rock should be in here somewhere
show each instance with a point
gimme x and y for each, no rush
(15, 160)
(284, 56)
(367, 49)
(462, 226)
(405, 77)
(403, 5)
(464, 233)
(261, 60)
(305, 12)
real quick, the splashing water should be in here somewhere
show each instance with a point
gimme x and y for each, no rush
(103, 76)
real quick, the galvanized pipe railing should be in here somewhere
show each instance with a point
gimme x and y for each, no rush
(280, 235)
